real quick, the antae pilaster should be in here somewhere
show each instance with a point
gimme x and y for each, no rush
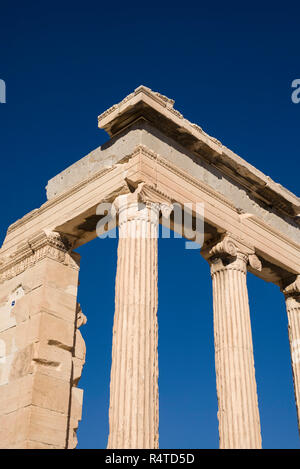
(133, 413)
(42, 351)
(292, 298)
(238, 414)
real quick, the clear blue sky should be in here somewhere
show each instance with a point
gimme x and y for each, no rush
(229, 66)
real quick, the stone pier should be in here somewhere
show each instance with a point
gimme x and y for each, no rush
(42, 349)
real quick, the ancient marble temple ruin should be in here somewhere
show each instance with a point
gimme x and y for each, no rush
(154, 157)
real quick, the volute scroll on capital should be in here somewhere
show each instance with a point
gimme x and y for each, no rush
(144, 196)
(291, 288)
(231, 252)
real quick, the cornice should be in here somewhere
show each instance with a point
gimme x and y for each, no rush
(159, 111)
(159, 98)
(61, 197)
(276, 233)
(139, 149)
(252, 219)
(184, 175)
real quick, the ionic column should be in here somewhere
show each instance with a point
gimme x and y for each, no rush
(133, 412)
(292, 299)
(238, 414)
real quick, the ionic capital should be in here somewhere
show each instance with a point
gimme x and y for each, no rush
(291, 289)
(230, 252)
(138, 196)
(131, 205)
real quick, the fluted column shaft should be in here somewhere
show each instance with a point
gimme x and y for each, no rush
(238, 414)
(133, 413)
(292, 299)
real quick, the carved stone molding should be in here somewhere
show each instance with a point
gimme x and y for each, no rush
(230, 252)
(43, 244)
(292, 289)
(144, 195)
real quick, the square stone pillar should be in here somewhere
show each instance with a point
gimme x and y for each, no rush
(41, 349)
(133, 412)
(238, 414)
